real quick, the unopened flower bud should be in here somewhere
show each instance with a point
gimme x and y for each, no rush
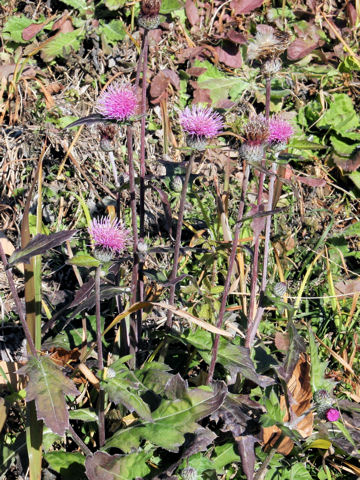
(280, 289)
(177, 183)
(271, 66)
(189, 473)
(142, 247)
(252, 153)
(323, 402)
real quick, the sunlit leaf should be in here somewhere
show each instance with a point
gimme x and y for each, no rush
(48, 386)
(39, 245)
(117, 467)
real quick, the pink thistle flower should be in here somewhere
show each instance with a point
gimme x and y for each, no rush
(200, 122)
(332, 415)
(118, 102)
(109, 234)
(279, 130)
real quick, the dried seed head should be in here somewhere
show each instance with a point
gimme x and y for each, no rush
(256, 131)
(268, 43)
(149, 14)
(107, 139)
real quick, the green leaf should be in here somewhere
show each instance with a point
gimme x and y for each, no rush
(317, 373)
(117, 467)
(299, 472)
(171, 420)
(119, 391)
(14, 27)
(114, 4)
(341, 116)
(168, 6)
(225, 454)
(352, 230)
(70, 465)
(48, 386)
(355, 178)
(82, 260)
(342, 146)
(62, 44)
(78, 4)
(220, 86)
(39, 245)
(235, 358)
(114, 31)
(305, 145)
(83, 414)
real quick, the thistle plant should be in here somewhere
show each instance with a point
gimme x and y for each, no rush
(200, 124)
(110, 237)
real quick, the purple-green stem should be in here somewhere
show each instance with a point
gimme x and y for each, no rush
(178, 236)
(100, 362)
(229, 273)
(255, 267)
(79, 442)
(253, 327)
(17, 301)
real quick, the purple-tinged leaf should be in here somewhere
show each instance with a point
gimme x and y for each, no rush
(175, 387)
(167, 208)
(89, 120)
(39, 245)
(230, 54)
(171, 420)
(102, 466)
(192, 13)
(48, 386)
(241, 7)
(82, 293)
(296, 347)
(246, 450)
(89, 301)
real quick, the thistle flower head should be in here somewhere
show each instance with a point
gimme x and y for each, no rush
(109, 235)
(268, 43)
(199, 121)
(279, 130)
(149, 14)
(332, 415)
(117, 102)
(256, 131)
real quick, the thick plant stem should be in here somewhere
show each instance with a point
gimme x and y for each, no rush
(255, 267)
(229, 273)
(253, 326)
(100, 362)
(178, 236)
(17, 302)
(142, 136)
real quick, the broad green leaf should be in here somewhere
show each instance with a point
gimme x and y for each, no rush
(114, 31)
(352, 230)
(69, 464)
(82, 260)
(39, 245)
(168, 6)
(117, 467)
(305, 145)
(233, 357)
(219, 84)
(322, 443)
(171, 420)
(318, 367)
(48, 386)
(114, 4)
(341, 115)
(83, 414)
(342, 146)
(225, 454)
(78, 4)
(355, 178)
(299, 472)
(120, 391)
(14, 27)
(62, 44)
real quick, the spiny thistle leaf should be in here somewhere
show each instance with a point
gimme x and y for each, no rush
(39, 245)
(318, 367)
(48, 386)
(171, 420)
(117, 467)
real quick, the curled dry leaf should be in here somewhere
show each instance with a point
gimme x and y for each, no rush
(300, 395)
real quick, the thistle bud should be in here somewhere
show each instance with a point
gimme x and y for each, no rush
(323, 403)
(189, 473)
(176, 184)
(149, 14)
(280, 289)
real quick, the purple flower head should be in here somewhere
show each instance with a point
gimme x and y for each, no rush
(199, 121)
(118, 102)
(279, 130)
(109, 234)
(332, 415)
